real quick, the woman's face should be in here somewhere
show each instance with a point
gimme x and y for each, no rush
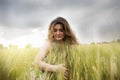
(58, 32)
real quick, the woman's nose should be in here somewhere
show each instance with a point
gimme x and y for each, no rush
(58, 32)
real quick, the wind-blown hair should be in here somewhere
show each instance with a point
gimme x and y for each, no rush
(69, 35)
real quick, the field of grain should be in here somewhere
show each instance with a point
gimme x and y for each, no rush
(88, 62)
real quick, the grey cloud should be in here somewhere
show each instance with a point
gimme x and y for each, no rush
(74, 3)
(90, 16)
(102, 20)
(26, 10)
(18, 13)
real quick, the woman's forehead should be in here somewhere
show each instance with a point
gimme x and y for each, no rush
(58, 26)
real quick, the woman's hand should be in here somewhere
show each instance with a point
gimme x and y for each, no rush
(61, 68)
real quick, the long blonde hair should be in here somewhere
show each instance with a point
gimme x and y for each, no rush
(69, 35)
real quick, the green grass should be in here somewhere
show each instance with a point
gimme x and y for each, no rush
(86, 62)
(15, 64)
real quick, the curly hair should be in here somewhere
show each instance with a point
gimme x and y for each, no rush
(69, 35)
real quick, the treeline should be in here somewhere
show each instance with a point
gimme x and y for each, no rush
(14, 46)
(114, 41)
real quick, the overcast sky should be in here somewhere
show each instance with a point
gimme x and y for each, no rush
(91, 20)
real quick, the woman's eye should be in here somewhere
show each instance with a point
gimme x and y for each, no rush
(61, 30)
(55, 30)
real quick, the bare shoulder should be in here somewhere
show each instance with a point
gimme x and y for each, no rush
(43, 51)
(74, 46)
(46, 47)
(47, 44)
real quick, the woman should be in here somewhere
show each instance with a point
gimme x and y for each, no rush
(60, 37)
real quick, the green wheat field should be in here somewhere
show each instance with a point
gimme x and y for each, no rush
(88, 61)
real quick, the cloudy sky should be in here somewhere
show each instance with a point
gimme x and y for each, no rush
(26, 21)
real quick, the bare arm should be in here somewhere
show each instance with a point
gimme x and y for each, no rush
(39, 63)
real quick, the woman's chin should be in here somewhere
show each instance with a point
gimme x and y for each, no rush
(59, 39)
